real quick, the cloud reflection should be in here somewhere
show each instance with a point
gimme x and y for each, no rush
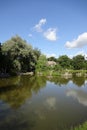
(80, 95)
(51, 103)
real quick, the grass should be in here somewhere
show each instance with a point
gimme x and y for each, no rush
(62, 72)
(81, 127)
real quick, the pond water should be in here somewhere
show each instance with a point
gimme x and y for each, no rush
(40, 103)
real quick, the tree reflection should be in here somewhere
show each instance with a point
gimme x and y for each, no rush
(59, 80)
(79, 81)
(16, 95)
(13, 81)
(18, 121)
(15, 91)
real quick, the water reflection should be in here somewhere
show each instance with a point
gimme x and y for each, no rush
(59, 80)
(9, 82)
(50, 103)
(17, 121)
(42, 103)
(16, 90)
(80, 95)
(79, 81)
(16, 95)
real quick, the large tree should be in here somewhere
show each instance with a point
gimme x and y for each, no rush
(64, 61)
(18, 56)
(78, 62)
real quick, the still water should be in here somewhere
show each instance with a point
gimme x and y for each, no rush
(40, 103)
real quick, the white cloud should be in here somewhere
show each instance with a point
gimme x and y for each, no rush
(51, 34)
(38, 27)
(79, 42)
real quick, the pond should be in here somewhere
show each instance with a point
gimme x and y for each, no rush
(42, 103)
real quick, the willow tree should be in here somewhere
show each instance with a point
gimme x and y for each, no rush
(18, 56)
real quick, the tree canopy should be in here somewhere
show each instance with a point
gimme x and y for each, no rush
(64, 61)
(18, 56)
(79, 62)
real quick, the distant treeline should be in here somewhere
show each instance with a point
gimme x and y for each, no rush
(17, 56)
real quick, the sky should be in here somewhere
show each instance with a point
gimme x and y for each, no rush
(56, 27)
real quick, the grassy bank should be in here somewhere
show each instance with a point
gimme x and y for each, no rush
(81, 127)
(67, 73)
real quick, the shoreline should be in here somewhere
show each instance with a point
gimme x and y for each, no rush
(67, 73)
(6, 75)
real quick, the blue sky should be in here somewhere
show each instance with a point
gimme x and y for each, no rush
(56, 27)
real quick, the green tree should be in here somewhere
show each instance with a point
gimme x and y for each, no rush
(41, 63)
(17, 53)
(52, 58)
(57, 67)
(64, 61)
(37, 53)
(86, 64)
(16, 67)
(78, 62)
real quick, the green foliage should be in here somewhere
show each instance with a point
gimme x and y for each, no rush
(64, 61)
(63, 65)
(37, 53)
(18, 56)
(78, 62)
(41, 63)
(52, 59)
(16, 67)
(57, 68)
(81, 127)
